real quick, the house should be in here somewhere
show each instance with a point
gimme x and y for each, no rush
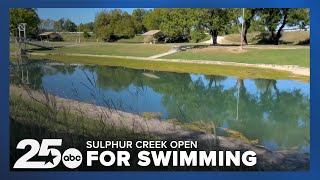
(152, 36)
(50, 36)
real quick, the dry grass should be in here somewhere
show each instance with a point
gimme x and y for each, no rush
(293, 37)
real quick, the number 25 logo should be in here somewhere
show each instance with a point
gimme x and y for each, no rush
(53, 155)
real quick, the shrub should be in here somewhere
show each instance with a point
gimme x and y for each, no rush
(197, 36)
(86, 35)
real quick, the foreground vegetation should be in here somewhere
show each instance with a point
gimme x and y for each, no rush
(28, 110)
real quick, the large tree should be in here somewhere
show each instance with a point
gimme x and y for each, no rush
(215, 21)
(58, 25)
(153, 19)
(177, 24)
(64, 25)
(137, 16)
(24, 15)
(249, 17)
(89, 27)
(46, 25)
(275, 19)
(110, 25)
(69, 26)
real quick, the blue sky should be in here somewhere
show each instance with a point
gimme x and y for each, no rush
(77, 15)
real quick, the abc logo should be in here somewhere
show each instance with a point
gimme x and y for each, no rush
(72, 158)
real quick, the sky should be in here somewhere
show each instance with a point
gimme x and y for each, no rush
(77, 15)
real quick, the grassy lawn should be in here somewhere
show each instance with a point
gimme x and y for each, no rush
(116, 49)
(73, 37)
(299, 56)
(136, 39)
(241, 72)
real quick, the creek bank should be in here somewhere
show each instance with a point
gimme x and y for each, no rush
(294, 69)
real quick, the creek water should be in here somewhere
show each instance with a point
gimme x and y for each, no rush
(275, 112)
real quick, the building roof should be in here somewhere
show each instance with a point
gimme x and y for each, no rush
(151, 33)
(47, 33)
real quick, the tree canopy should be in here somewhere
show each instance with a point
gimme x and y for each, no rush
(177, 24)
(110, 25)
(137, 16)
(64, 25)
(275, 19)
(24, 15)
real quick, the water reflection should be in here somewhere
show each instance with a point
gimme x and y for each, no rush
(276, 112)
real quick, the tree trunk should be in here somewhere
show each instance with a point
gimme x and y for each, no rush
(214, 35)
(278, 35)
(276, 41)
(244, 35)
(247, 25)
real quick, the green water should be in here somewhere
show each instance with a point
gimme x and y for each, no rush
(276, 112)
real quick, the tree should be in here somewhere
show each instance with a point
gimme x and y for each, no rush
(89, 27)
(249, 16)
(197, 36)
(215, 21)
(58, 25)
(137, 16)
(125, 26)
(111, 25)
(177, 24)
(69, 26)
(115, 24)
(24, 15)
(86, 35)
(64, 25)
(299, 17)
(46, 25)
(153, 19)
(275, 19)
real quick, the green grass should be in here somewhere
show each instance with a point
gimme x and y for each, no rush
(116, 49)
(242, 72)
(73, 37)
(299, 56)
(29, 111)
(136, 39)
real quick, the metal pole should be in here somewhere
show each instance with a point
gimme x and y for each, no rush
(24, 33)
(79, 32)
(242, 28)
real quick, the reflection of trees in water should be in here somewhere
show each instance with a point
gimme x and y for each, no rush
(66, 69)
(279, 116)
(36, 71)
(34, 75)
(116, 78)
(271, 114)
(214, 79)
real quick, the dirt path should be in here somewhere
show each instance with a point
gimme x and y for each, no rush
(171, 51)
(220, 40)
(275, 160)
(294, 69)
